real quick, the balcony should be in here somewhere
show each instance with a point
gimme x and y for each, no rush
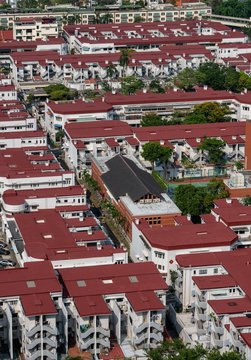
(157, 336)
(50, 330)
(201, 304)
(218, 328)
(86, 344)
(33, 331)
(104, 332)
(32, 343)
(140, 328)
(86, 331)
(156, 325)
(218, 343)
(140, 339)
(104, 342)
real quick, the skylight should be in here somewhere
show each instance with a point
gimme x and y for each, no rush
(31, 284)
(133, 279)
(81, 283)
(107, 281)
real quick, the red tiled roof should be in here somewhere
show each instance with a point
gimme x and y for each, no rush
(234, 215)
(97, 129)
(91, 305)
(36, 304)
(214, 282)
(144, 301)
(16, 197)
(231, 306)
(241, 321)
(187, 236)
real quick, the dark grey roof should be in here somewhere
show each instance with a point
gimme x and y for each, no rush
(125, 177)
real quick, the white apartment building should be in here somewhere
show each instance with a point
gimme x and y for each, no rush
(191, 10)
(97, 138)
(219, 299)
(162, 244)
(77, 240)
(79, 69)
(119, 300)
(103, 38)
(30, 29)
(8, 92)
(30, 316)
(22, 139)
(32, 167)
(37, 319)
(19, 201)
(106, 138)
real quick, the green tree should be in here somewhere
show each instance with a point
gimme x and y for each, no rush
(152, 119)
(247, 200)
(125, 56)
(106, 18)
(186, 79)
(214, 148)
(217, 189)
(208, 112)
(60, 92)
(138, 19)
(152, 152)
(130, 85)
(156, 87)
(199, 200)
(190, 199)
(111, 70)
(177, 350)
(238, 165)
(210, 74)
(244, 81)
(165, 157)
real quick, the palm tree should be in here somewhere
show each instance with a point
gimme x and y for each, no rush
(111, 71)
(97, 18)
(106, 18)
(125, 55)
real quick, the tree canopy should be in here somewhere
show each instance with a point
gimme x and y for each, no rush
(233, 8)
(60, 92)
(214, 148)
(218, 77)
(130, 85)
(152, 119)
(153, 151)
(199, 200)
(176, 350)
(208, 112)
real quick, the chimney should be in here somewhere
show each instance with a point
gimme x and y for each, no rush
(89, 231)
(175, 89)
(205, 87)
(162, 142)
(137, 221)
(144, 91)
(228, 200)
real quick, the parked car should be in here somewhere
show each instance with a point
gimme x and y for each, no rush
(4, 251)
(6, 262)
(2, 244)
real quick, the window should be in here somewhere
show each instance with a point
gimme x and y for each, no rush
(245, 108)
(159, 254)
(203, 272)
(215, 271)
